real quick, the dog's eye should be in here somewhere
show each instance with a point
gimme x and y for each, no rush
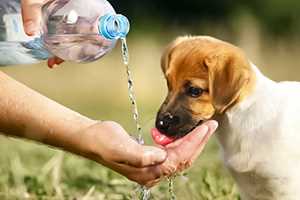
(194, 91)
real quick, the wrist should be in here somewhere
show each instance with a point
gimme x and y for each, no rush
(74, 137)
(98, 140)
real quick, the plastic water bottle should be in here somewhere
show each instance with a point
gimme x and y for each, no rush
(73, 30)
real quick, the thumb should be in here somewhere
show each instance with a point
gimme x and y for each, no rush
(31, 14)
(144, 156)
(152, 156)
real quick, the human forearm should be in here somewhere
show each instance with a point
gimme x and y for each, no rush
(27, 114)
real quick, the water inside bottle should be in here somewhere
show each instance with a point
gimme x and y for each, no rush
(144, 193)
(77, 41)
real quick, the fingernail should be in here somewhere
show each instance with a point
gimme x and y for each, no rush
(30, 28)
(158, 154)
(213, 125)
(203, 129)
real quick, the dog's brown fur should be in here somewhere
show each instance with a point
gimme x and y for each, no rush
(219, 68)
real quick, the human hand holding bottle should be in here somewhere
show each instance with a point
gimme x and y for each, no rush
(32, 16)
(76, 30)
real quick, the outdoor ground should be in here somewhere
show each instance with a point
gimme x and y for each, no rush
(99, 90)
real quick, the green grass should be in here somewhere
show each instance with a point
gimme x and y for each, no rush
(26, 172)
(99, 90)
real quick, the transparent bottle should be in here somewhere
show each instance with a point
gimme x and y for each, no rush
(74, 30)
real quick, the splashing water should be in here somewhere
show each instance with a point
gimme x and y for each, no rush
(144, 192)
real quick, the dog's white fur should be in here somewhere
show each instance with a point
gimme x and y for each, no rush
(260, 141)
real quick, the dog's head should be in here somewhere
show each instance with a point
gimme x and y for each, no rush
(205, 76)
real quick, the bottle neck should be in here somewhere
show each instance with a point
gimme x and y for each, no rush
(113, 27)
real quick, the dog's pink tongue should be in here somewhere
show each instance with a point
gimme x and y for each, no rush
(161, 139)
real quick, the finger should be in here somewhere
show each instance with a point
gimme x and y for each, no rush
(194, 138)
(117, 146)
(184, 151)
(128, 151)
(31, 13)
(54, 62)
(142, 156)
(147, 176)
(212, 126)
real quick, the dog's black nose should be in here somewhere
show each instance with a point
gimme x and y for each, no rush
(166, 122)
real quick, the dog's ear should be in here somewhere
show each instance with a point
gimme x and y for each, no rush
(228, 75)
(167, 54)
(164, 62)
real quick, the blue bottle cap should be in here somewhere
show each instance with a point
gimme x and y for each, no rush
(113, 26)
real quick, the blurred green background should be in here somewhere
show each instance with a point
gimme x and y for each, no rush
(268, 32)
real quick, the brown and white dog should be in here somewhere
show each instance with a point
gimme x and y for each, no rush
(259, 119)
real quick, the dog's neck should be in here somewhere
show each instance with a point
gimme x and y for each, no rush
(244, 116)
(258, 86)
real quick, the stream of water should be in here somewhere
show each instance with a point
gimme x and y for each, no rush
(144, 193)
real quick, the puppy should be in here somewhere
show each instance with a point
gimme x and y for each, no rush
(259, 131)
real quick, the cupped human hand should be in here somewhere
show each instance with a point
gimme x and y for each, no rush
(184, 151)
(32, 16)
(110, 145)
